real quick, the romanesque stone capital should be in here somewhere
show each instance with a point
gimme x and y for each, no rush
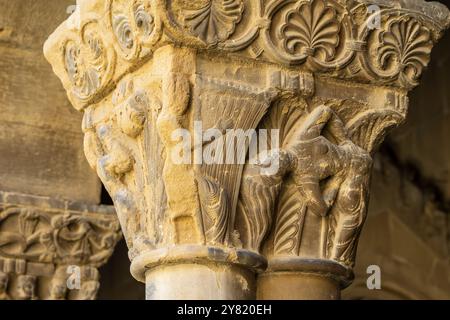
(47, 244)
(328, 79)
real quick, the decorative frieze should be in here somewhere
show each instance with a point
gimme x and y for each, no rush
(102, 41)
(44, 242)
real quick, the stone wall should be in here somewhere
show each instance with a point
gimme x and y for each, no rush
(40, 133)
(51, 220)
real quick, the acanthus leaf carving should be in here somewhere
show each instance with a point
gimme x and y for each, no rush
(215, 21)
(323, 36)
(89, 63)
(290, 222)
(369, 128)
(409, 44)
(311, 28)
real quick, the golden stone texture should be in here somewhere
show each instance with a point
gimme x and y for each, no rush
(50, 220)
(318, 71)
(42, 238)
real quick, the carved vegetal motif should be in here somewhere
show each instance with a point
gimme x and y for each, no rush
(123, 31)
(215, 21)
(290, 223)
(404, 51)
(324, 36)
(310, 29)
(88, 62)
(135, 27)
(369, 128)
(56, 235)
(316, 33)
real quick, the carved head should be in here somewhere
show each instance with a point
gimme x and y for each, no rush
(130, 108)
(26, 286)
(4, 279)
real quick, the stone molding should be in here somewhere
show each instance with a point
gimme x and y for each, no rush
(104, 40)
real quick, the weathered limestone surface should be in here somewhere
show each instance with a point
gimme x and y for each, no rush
(410, 199)
(42, 235)
(314, 70)
(422, 142)
(407, 235)
(40, 139)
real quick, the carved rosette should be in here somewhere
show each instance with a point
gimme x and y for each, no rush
(331, 77)
(43, 242)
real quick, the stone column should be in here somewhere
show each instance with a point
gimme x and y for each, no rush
(178, 98)
(51, 249)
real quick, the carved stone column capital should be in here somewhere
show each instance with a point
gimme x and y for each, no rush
(44, 242)
(327, 78)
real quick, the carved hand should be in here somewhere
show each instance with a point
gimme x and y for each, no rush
(320, 162)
